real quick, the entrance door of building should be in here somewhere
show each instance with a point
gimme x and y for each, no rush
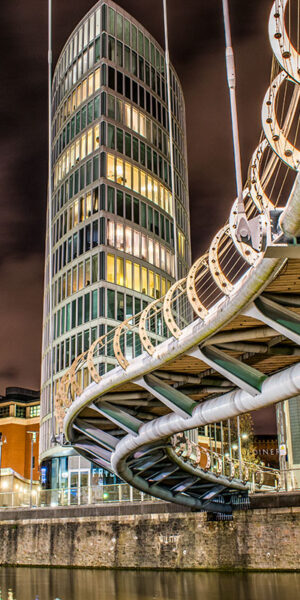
(79, 486)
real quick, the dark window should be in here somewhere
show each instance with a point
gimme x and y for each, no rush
(142, 154)
(128, 144)
(120, 140)
(110, 136)
(111, 78)
(134, 63)
(90, 112)
(120, 306)
(110, 304)
(156, 222)
(83, 117)
(120, 209)
(127, 88)
(142, 97)
(141, 68)
(119, 82)
(143, 215)
(135, 92)
(135, 149)
(128, 207)
(110, 199)
(148, 102)
(136, 211)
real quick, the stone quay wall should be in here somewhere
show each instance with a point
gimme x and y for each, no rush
(154, 538)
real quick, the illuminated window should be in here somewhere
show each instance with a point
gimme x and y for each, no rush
(149, 187)
(157, 261)
(128, 115)
(136, 244)
(151, 284)
(110, 268)
(96, 137)
(142, 125)
(120, 171)
(136, 275)
(127, 181)
(74, 280)
(128, 240)
(135, 185)
(97, 79)
(110, 167)
(144, 247)
(34, 411)
(157, 286)
(90, 84)
(84, 90)
(128, 280)
(120, 271)
(87, 272)
(90, 141)
(163, 286)
(163, 259)
(83, 146)
(88, 202)
(144, 281)
(150, 251)
(143, 183)
(80, 276)
(120, 236)
(135, 120)
(110, 233)
(76, 213)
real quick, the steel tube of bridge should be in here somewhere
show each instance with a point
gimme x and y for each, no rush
(276, 388)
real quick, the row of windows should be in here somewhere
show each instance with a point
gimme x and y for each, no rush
(117, 25)
(125, 58)
(76, 279)
(82, 44)
(121, 238)
(91, 306)
(123, 173)
(123, 205)
(124, 143)
(117, 139)
(80, 242)
(83, 118)
(87, 143)
(124, 85)
(122, 112)
(135, 277)
(134, 242)
(21, 412)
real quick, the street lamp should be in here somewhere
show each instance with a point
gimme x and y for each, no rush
(3, 440)
(33, 440)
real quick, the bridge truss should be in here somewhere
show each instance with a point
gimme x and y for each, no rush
(222, 342)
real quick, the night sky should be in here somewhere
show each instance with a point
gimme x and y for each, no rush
(196, 41)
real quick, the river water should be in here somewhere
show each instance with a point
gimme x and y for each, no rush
(90, 584)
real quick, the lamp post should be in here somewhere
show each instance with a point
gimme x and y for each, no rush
(2, 441)
(33, 440)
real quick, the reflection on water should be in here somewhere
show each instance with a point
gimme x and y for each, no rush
(85, 584)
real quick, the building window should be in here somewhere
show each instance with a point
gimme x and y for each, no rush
(4, 411)
(34, 411)
(21, 412)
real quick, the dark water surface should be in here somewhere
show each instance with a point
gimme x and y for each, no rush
(84, 584)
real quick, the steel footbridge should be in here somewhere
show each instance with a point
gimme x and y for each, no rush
(222, 342)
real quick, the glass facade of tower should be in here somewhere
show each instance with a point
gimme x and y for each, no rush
(112, 210)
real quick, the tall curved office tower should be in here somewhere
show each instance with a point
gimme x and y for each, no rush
(112, 211)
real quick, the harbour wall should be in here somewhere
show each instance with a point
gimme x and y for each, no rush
(150, 536)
